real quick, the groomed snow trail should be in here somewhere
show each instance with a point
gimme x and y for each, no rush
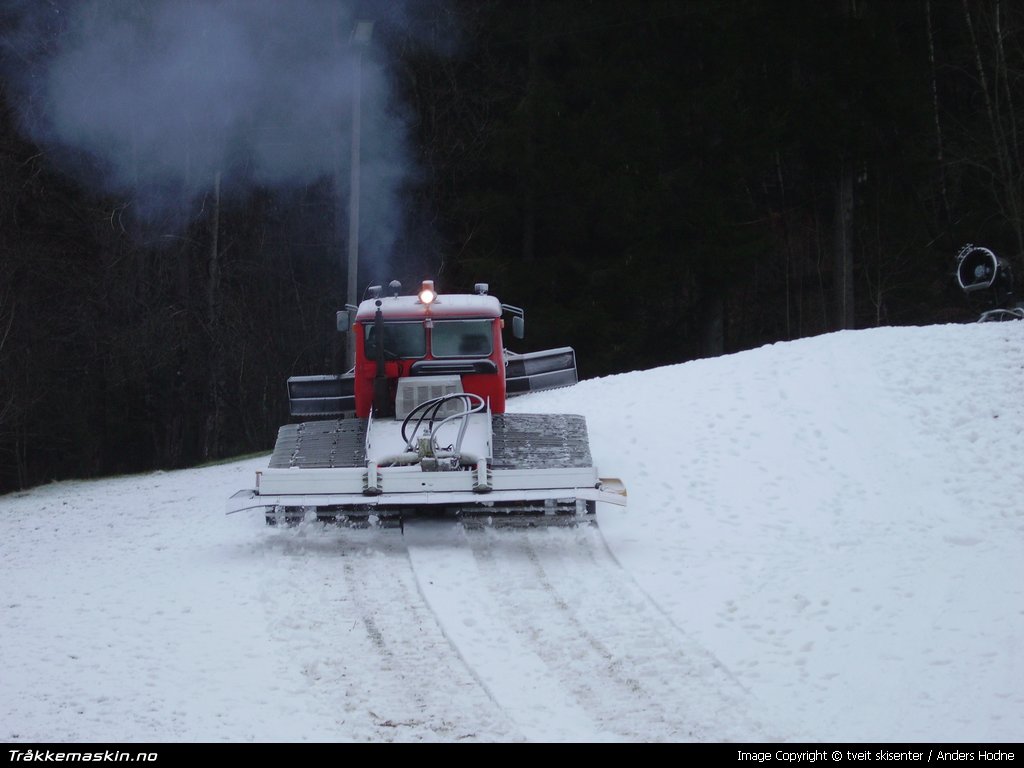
(137, 611)
(567, 644)
(822, 543)
(349, 613)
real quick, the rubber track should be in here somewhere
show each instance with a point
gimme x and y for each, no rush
(321, 444)
(540, 440)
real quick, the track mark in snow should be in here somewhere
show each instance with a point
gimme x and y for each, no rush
(475, 621)
(640, 676)
(349, 617)
(601, 660)
(430, 678)
(582, 662)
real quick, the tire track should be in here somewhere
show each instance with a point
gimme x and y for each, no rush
(637, 673)
(614, 667)
(575, 655)
(345, 610)
(423, 671)
(475, 618)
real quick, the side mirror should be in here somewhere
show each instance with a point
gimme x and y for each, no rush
(344, 321)
(518, 323)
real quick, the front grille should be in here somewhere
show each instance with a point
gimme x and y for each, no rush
(418, 389)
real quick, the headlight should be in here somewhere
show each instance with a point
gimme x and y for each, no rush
(427, 294)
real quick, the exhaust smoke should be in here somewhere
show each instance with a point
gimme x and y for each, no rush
(150, 101)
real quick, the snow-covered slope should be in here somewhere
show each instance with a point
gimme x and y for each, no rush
(822, 542)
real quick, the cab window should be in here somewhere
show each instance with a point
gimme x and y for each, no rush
(400, 340)
(461, 338)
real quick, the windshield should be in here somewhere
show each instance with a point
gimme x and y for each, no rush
(400, 340)
(461, 338)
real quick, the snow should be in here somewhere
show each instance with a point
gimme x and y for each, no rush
(822, 543)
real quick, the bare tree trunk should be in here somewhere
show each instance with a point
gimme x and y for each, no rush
(1007, 167)
(939, 156)
(20, 462)
(530, 149)
(8, 390)
(215, 415)
(820, 255)
(787, 244)
(1003, 73)
(843, 272)
(1010, 142)
(713, 317)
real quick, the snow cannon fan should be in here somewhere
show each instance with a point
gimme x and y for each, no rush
(981, 273)
(979, 269)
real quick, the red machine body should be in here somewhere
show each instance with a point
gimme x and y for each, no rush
(457, 334)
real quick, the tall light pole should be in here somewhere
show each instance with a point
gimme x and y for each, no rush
(361, 35)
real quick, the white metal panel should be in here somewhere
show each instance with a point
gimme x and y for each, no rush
(295, 480)
(384, 437)
(564, 477)
(414, 390)
(444, 306)
(412, 479)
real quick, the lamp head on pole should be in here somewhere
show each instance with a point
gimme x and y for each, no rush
(362, 32)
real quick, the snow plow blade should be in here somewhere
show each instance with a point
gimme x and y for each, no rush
(322, 396)
(537, 371)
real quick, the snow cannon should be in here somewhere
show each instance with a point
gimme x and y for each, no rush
(981, 274)
(979, 269)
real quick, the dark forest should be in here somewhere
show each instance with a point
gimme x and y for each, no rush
(653, 182)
